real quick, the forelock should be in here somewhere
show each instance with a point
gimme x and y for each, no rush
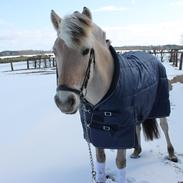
(76, 30)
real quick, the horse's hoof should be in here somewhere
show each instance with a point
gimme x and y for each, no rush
(173, 158)
(134, 156)
(136, 153)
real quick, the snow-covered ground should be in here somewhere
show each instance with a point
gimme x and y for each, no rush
(38, 144)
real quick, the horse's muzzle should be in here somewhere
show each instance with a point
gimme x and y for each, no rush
(67, 103)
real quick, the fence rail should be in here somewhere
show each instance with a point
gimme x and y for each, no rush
(175, 55)
(48, 61)
(35, 62)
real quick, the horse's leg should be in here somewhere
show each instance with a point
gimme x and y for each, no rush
(138, 149)
(164, 126)
(121, 165)
(100, 166)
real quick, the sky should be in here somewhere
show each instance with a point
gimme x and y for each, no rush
(26, 24)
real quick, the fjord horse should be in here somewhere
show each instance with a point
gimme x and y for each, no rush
(79, 74)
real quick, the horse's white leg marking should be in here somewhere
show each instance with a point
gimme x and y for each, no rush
(100, 165)
(121, 165)
(164, 126)
(138, 149)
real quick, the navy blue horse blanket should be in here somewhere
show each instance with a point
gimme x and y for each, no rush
(139, 91)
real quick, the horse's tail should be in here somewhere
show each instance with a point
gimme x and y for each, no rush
(150, 129)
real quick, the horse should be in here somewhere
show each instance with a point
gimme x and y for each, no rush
(85, 74)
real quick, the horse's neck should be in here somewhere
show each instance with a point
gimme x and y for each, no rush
(102, 75)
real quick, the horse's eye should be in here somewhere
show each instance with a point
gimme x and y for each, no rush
(85, 51)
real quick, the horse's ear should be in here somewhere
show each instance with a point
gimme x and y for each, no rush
(55, 19)
(87, 12)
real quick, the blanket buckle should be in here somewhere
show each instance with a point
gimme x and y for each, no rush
(106, 128)
(107, 113)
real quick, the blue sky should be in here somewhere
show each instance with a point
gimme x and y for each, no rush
(26, 24)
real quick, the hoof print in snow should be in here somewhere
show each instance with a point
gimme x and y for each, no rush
(110, 177)
(131, 180)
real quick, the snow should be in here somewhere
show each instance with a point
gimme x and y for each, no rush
(41, 145)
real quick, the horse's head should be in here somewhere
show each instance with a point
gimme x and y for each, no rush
(74, 56)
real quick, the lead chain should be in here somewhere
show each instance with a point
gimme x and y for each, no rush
(93, 172)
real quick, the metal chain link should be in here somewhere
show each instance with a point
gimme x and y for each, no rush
(93, 172)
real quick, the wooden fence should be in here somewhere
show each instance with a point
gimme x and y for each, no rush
(175, 55)
(48, 61)
(35, 62)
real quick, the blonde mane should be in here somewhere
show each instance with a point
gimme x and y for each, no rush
(78, 31)
(75, 30)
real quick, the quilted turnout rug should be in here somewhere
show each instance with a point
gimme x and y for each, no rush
(139, 91)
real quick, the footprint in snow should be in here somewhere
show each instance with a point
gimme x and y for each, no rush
(177, 166)
(110, 176)
(131, 180)
(109, 181)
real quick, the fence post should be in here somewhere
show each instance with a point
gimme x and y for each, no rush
(171, 56)
(45, 64)
(54, 63)
(176, 58)
(11, 64)
(35, 63)
(154, 52)
(27, 64)
(49, 60)
(161, 55)
(181, 60)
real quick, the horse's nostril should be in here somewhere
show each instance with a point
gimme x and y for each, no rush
(71, 101)
(57, 100)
